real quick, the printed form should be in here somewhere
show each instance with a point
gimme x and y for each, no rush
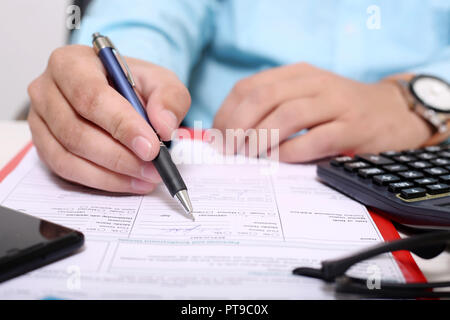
(252, 228)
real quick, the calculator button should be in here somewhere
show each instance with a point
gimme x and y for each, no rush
(374, 159)
(390, 154)
(395, 168)
(420, 164)
(435, 171)
(397, 186)
(444, 154)
(405, 159)
(445, 178)
(425, 181)
(339, 161)
(353, 166)
(368, 172)
(385, 179)
(412, 151)
(426, 156)
(438, 188)
(440, 162)
(433, 149)
(412, 193)
(409, 175)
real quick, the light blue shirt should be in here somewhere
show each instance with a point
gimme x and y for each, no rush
(211, 44)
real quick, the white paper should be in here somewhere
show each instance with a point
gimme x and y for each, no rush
(252, 228)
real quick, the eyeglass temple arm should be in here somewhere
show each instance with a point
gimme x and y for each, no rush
(335, 268)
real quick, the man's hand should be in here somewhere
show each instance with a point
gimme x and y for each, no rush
(86, 132)
(342, 115)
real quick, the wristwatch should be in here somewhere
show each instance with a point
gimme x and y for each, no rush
(429, 97)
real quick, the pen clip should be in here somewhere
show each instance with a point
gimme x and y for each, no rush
(124, 63)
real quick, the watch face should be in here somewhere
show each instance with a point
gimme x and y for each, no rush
(432, 92)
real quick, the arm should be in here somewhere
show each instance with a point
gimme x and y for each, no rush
(341, 115)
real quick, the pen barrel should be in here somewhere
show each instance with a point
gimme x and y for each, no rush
(120, 80)
(163, 162)
(168, 171)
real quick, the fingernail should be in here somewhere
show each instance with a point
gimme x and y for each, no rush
(141, 186)
(148, 172)
(169, 119)
(142, 147)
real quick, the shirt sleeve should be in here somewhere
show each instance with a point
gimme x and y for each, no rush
(438, 66)
(438, 63)
(171, 34)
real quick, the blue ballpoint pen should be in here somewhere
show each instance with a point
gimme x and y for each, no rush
(125, 85)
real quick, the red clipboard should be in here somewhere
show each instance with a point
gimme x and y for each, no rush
(404, 259)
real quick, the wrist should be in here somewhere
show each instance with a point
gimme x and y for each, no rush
(429, 132)
(398, 81)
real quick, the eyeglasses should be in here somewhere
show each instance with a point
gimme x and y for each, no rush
(426, 246)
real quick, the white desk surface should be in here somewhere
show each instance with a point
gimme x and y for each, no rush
(14, 135)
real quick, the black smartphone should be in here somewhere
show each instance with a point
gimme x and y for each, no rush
(27, 242)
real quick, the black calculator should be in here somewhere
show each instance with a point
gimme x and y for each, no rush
(411, 187)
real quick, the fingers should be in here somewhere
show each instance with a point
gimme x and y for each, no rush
(167, 107)
(168, 100)
(82, 138)
(292, 117)
(81, 79)
(267, 98)
(76, 169)
(319, 142)
(252, 98)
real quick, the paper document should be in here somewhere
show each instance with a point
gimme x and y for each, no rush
(252, 228)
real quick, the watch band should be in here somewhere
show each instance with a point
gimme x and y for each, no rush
(438, 137)
(404, 88)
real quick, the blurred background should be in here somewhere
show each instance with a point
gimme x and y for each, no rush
(29, 31)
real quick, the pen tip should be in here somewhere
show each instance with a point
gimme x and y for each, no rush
(185, 201)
